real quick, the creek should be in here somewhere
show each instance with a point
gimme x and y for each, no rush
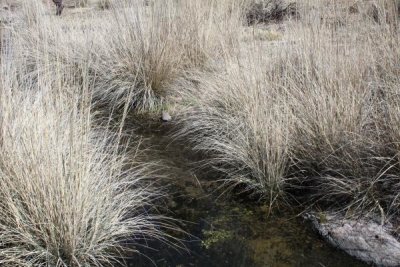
(227, 230)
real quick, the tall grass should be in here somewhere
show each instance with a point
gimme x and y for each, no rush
(147, 48)
(308, 119)
(240, 121)
(312, 117)
(335, 83)
(137, 50)
(69, 196)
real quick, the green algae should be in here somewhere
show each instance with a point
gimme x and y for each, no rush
(322, 217)
(215, 237)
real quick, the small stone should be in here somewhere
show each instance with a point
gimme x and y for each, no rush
(165, 116)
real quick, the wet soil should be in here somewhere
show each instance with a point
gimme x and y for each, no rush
(223, 230)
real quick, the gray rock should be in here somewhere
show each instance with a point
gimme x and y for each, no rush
(364, 239)
(165, 116)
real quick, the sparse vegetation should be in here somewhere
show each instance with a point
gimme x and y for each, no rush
(300, 111)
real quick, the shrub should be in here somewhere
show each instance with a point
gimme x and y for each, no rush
(140, 56)
(266, 11)
(105, 4)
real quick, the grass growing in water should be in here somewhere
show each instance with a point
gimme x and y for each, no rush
(69, 195)
(313, 119)
(309, 120)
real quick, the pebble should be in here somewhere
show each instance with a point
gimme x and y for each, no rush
(165, 116)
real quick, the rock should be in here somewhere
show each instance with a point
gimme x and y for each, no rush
(364, 239)
(165, 116)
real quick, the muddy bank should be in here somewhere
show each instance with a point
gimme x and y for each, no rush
(228, 231)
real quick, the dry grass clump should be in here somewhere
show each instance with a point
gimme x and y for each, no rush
(46, 46)
(335, 79)
(335, 135)
(147, 48)
(135, 50)
(68, 197)
(242, 124)
(308, 120)
(384, 11)
(388, 86)
(1, 41)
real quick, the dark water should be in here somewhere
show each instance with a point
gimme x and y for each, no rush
(227, 231)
